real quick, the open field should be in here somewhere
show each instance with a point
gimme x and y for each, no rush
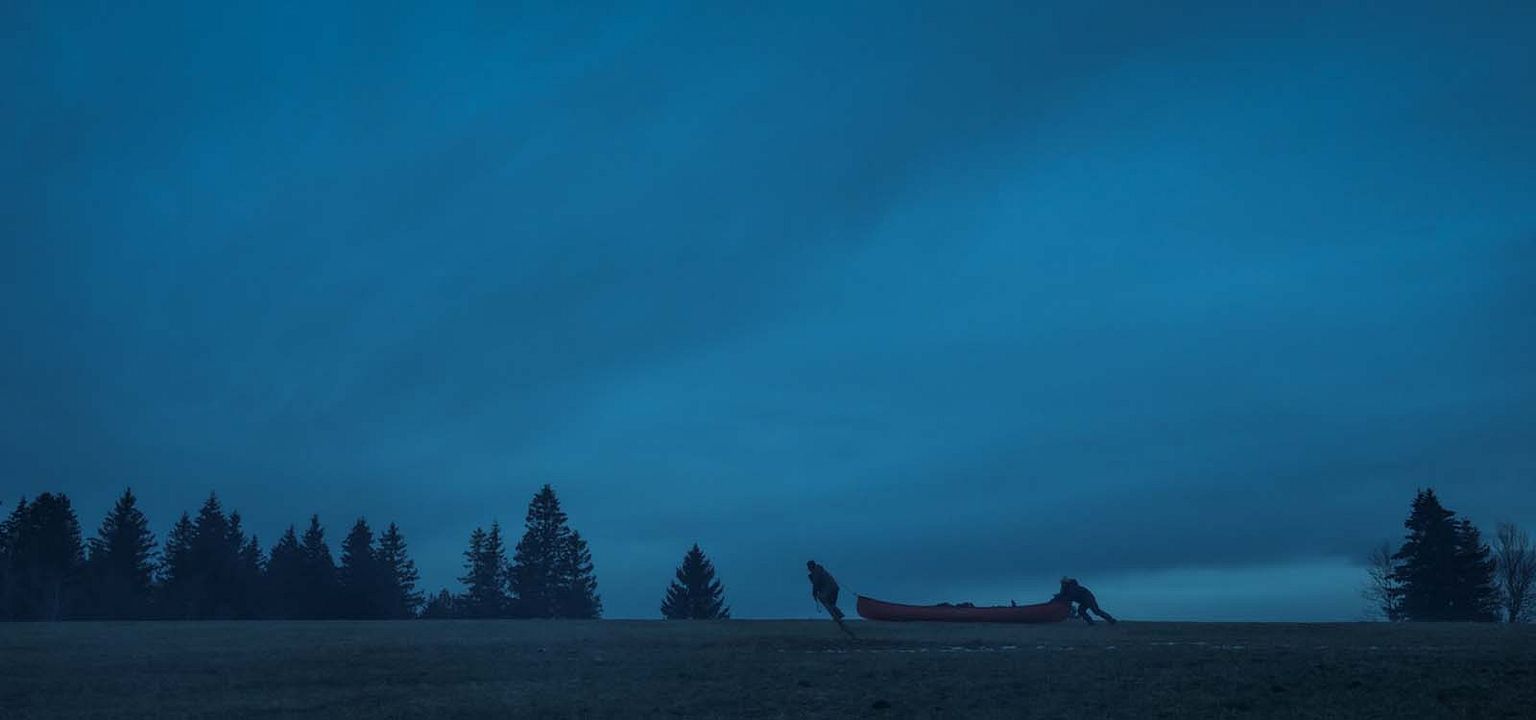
(762, 669)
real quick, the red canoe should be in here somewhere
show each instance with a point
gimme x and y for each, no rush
(1048, 612)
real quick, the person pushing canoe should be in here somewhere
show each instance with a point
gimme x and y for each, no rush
(824, 591)
(1074, 592)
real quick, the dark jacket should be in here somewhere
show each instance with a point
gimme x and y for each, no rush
(1071, 591)
(822, 583)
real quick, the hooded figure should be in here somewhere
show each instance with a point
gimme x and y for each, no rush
(1073, 592)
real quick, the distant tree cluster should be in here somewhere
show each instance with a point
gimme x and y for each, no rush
(1444, 571)
(550, 574)
(210, 568)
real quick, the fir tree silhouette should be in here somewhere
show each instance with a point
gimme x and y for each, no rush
(485, 583)
(45, 559)
(1443, 571)
(1477, 597)
(240, 589)
(121, 564)
(285, 588)
(208, 575)
(552, 574)
(360, 577)
(577, 582)
(319, 572)
(695, 594)
(401, 599)
(177, 571)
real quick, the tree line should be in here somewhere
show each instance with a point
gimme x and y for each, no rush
(209, 567)
(1444, 571)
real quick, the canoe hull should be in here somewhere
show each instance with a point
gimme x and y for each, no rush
(872, 609)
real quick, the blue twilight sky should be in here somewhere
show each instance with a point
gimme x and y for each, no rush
(1182, 299)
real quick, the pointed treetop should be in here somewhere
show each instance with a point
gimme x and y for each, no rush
(695, 593)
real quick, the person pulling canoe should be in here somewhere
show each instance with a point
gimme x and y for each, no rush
(1073, 592)
(824, 591)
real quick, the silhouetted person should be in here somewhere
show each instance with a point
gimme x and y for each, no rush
(1073, 592)
(824, 591)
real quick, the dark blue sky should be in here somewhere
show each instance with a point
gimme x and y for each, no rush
(1182, 300)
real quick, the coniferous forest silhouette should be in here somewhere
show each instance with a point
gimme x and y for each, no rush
(209, 568)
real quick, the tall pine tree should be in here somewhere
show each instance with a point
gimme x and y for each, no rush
(577, 589)
(1476, 598)
(1442, 568)
(286, 590)
(177, 572)
(210, 578)
(695, 593)
(241, 592)
(401, 599)
(361, 580)
(552, 573)
(319, 573)
(533, 564)
(46, 559)
(121, 566)
(485, 573)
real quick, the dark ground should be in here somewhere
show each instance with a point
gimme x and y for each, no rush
(763, 669)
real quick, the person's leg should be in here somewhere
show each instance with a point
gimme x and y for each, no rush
(1082, 612)
(828, 600)
(1100, 612)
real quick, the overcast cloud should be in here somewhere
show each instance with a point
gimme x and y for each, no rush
(1183, 301)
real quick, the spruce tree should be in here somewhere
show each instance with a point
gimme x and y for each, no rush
(286, 590)
(533, 564)
(552, 572)
(695, 594)
(1444, 572)
(121, 567)
(1477, 598)
(177, 582)
(473, 577)
(1426, 571)
(252, 572)
(401, 598)
(240, 587)
(215, 581)
(212, 559)
(319, 574)
(577, 583)
(360, 576)
(485, 583)
(47, 559)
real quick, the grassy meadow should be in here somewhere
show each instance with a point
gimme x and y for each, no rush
(762, 669)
